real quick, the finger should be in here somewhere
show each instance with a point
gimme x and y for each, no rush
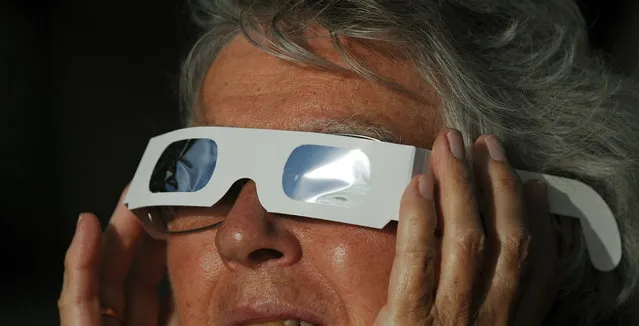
(79, 302)
(412, 280)
(120, 241)
(507, 227)
(149, 267)
(463, 236)
(539, 286)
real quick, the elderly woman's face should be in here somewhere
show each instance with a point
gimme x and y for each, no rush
(258, 262)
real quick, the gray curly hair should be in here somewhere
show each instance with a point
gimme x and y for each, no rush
(519, 69)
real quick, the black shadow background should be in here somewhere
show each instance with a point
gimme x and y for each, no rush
(83, 86)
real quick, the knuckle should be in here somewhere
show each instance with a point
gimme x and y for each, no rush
(426, 254)
(61, 302)
(67, 264)
(472, 241)
(509, 183)
(64, 301)
(414, 305)
(516, 249)
(455, 313)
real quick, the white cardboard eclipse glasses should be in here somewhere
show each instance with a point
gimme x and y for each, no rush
(330, 177)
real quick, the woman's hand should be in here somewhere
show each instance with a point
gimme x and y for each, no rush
(119, 269)
(471, 266)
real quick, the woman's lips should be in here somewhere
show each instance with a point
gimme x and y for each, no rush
(289, 322)
(272, 315)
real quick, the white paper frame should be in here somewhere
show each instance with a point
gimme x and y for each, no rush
(248, 153)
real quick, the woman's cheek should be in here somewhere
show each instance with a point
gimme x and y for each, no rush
(359, 263)
(191, 261)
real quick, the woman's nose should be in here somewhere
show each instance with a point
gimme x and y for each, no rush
(251, 237)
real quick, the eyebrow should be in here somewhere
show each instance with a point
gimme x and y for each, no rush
(354, 125)
(350, 126)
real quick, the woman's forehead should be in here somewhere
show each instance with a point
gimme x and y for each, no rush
(247, 87)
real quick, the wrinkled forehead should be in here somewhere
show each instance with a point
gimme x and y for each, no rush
(247, 87)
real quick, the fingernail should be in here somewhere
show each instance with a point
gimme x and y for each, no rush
(80, 218)
(495, 149)
(426, 186)
(456, 144)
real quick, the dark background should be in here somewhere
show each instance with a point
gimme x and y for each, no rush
(83, 86)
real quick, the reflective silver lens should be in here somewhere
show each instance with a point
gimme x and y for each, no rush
(184, 166)
(327, 175)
